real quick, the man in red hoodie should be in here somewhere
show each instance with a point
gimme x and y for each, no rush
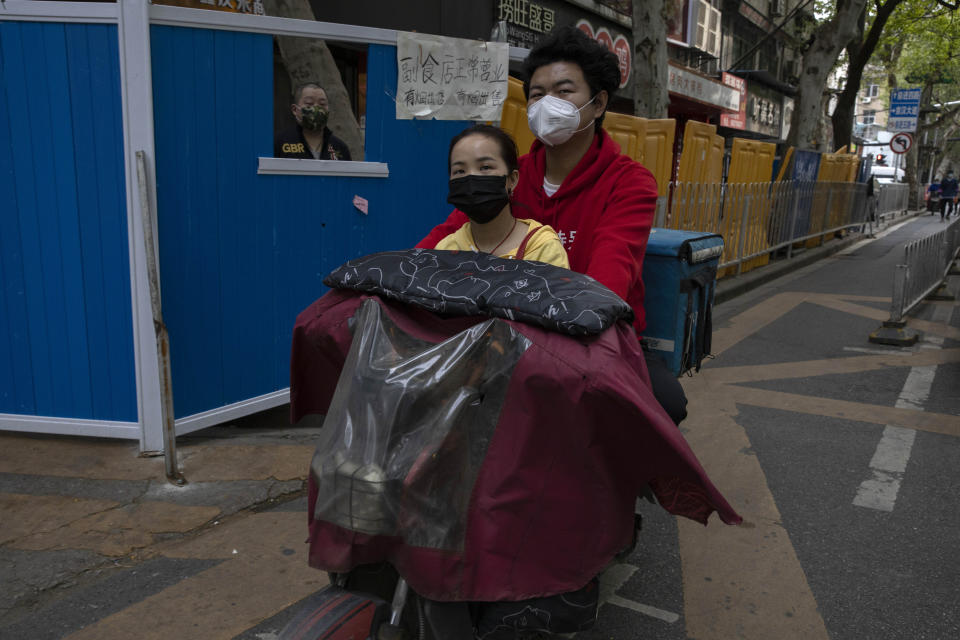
(601, 203)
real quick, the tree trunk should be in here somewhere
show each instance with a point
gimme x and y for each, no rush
(859, 53)
(309, 60)
(650, 59)
(912, 164)
(946, 130)
(827, 42)
(944, 164)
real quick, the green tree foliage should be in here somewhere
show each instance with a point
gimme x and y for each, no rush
(927, 36)
(920, 48)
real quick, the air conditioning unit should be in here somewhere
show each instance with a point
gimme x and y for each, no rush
(866, 99)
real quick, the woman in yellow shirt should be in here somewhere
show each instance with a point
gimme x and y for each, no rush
(483, 174)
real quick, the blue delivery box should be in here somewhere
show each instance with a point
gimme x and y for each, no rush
(679, 279)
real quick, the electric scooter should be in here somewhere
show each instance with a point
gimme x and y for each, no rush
(428, 521)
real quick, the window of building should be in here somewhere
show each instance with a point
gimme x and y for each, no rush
(872, 91)
(869, 117)
(708, 29)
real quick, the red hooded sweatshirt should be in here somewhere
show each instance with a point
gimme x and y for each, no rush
(602, 212)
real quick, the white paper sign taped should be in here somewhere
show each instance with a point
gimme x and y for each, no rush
(450, 78)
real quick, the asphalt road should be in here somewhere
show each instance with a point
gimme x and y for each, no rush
(853, 490)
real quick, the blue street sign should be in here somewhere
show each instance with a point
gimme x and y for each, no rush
(904, 110)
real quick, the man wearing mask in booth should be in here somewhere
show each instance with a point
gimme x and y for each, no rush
(948, 195)
(311, 139)
(599, 202)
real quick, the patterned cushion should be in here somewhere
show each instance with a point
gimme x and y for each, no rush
(469, 284)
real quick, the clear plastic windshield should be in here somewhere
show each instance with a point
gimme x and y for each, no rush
(408, 428)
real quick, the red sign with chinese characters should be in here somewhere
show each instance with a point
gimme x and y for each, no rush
(603, 37)
(735, 120)
(619, 45)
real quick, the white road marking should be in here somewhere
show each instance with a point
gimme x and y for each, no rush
(615, 577)
(645, 609)
(890, 460)
(888, 464)
(879, 352)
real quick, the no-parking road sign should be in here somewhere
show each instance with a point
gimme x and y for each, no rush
(901, 142)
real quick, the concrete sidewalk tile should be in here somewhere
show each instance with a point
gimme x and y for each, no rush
(230, 497)
(256, 533)
(99, 594)
(90, 488)
(267, 574)
(25, 516)
(75, 458)
(118, 531)
(27, 574)
(224, 461)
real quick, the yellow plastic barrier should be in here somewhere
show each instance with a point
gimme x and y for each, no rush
(514, 118)
(715, 162)
(699, 153)
(834, 167)
(627, 131)
(695, 202)
(751, 162)
(649, 142)
(658, 151)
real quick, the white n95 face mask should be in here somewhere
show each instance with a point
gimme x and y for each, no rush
(555, 120)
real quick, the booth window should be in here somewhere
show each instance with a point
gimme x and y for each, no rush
(319, 108)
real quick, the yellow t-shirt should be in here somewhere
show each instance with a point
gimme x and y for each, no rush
(543, 246)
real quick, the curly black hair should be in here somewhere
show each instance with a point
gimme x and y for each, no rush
(600, 66)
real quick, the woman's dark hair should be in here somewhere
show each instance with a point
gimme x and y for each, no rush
(600, 66)
(508, 148)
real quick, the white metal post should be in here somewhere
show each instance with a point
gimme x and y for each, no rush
(136, 89)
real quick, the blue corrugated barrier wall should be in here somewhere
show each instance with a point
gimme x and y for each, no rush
(66, 338)
(240, 253)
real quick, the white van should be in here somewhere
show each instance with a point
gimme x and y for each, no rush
(886, 175)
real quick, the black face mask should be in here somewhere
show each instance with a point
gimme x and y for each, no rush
(480, 197)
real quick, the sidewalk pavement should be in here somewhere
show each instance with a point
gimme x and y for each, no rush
(81, 515)
(728, 288)
(75, 509)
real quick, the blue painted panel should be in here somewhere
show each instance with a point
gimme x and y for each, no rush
(16, 367)
(25, 208)
(109, 211)
(66, 294)
(68, 317)
(241, 254)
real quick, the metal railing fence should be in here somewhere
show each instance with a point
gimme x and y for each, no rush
(892, 198)
(926, 263)
(756, 219)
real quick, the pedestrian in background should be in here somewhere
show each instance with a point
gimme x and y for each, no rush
(948, 195)
(932, 196)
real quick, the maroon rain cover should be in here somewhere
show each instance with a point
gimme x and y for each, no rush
(486, 459)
